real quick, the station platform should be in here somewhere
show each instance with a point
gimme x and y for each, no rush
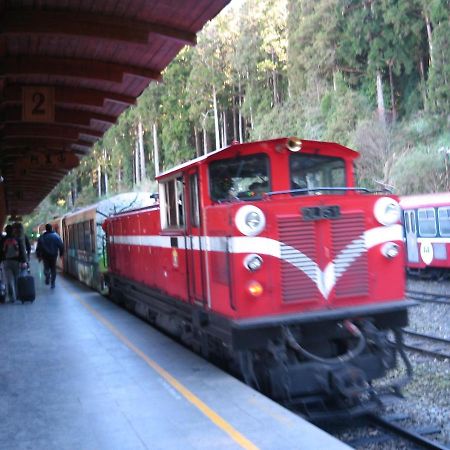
(78, 372)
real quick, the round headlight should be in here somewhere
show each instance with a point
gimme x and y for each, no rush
(387, 211)
(390, 250)
(250, 220)
(253, 262)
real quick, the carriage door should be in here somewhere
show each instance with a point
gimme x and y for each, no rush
(194, 242)
(411, 236)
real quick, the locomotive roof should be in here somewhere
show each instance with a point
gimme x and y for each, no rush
(306, 144)
(424, 200)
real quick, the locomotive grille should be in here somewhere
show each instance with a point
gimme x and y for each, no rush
(352, 268)
(297, 236)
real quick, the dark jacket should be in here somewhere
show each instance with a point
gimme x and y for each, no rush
(49, 244)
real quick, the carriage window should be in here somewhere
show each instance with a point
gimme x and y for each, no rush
(444, 221)
(427, 222)
(80, 232)
(93, 232)
(315, 172)
(407, 227)
(245, 178)
(87, 236)
(193, 193)
(173, 203)
(412, 218)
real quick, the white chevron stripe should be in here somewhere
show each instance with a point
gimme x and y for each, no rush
(325, 280)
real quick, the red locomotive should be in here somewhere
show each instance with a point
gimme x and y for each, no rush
(427, 231)
(266, 256)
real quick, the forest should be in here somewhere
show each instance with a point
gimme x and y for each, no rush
(373, 75)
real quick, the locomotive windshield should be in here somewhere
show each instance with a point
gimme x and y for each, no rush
(313, 172)
(244, 177)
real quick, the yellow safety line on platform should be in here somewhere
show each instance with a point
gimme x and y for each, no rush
(205, 409)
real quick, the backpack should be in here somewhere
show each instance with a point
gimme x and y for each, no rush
(11, 248)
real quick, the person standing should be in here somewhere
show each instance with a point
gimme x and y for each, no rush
(48, 247)
(13, 258)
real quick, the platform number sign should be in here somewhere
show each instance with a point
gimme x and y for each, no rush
(38, 104)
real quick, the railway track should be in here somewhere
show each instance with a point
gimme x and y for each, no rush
(387, 429)
(427, 297)
(427, 344)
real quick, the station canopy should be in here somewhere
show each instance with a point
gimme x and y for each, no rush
(68, 69)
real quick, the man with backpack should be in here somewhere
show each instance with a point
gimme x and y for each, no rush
(13, 258)
(48, 246)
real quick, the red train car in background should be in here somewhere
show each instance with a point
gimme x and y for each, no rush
(426, 221)
(265, 257)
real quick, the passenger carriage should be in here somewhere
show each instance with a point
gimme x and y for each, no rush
(426, 221)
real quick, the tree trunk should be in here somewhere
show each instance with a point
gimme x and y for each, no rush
(241, 140)
(234, 119)
(216, 119)
(391, 85)
(142, 174)
(99, 180)
(105, 174)
(423, 85)
(155, 149)
(380, 99)
(224, 135)
(197, 142)
(136, 162)
(205, 141)
(429, 36)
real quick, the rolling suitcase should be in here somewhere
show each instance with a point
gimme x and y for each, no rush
(25, 287)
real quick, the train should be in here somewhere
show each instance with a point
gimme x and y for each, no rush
(267, 259)
(84, 239)
(426, 220)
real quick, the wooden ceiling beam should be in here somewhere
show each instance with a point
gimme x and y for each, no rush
(72, 95)
(73, 68)
(67, 133)
(77, 24)
(40, 142)
(13, 113)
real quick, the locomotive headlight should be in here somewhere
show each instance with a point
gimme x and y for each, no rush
(250, 220)
(253, 262)
(387, 211)
(390, 250)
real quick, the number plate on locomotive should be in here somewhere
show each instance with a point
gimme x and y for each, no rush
(321, 212)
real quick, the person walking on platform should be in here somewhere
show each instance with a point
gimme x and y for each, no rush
(13, 258)
(48, 246)
(24, 242)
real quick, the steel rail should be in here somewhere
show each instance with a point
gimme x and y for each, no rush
(428, 297)
(427, 337)
(406, 433)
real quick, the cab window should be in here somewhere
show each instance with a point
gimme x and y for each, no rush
(173, 206)
(311, 173)
(243, 178)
